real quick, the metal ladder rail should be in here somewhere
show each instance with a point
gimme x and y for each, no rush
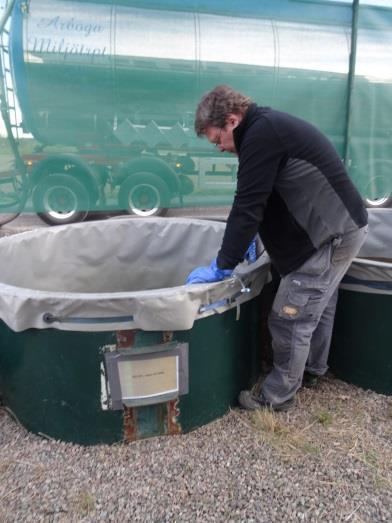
(9, 92)
(18, 178)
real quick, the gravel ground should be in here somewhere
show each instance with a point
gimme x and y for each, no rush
(329, 459)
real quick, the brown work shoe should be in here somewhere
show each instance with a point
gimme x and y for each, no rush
(310, 381)
(250, 401)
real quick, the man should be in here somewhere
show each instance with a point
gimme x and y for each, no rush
(292, 189)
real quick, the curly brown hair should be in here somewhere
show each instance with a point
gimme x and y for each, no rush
(216, 105)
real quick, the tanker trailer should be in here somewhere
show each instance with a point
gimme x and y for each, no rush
(117, 82)
(94, 114)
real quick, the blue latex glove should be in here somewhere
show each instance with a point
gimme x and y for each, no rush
(251, 253)
(208, 274)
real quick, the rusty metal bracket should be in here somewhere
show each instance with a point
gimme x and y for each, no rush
(125, 338)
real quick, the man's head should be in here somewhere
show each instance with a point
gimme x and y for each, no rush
(218, 114)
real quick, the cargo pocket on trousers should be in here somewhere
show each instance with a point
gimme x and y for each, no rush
(293, 307)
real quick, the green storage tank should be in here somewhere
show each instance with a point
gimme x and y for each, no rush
(100, 341)
(361, 350)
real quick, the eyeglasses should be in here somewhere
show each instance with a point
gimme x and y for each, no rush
(218, 138)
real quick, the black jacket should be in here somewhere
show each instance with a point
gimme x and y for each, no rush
(292, 188)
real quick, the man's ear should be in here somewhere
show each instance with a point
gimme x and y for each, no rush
(233, 119)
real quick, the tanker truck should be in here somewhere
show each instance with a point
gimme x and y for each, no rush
(108, 88)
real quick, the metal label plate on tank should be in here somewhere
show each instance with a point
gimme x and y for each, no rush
(146, 376)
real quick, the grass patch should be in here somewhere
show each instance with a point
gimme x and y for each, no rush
(268, 422)
(324, 417)
(282, 436)
(86, 502)
(4, 465)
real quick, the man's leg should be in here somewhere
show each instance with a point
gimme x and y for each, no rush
(321, 340)
(294, 317)
(299, 305)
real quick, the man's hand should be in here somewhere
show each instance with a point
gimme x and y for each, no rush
(208, 274)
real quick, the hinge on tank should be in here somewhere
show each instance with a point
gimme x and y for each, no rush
(167, 336)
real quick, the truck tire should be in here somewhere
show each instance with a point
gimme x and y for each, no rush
(14, 193)
(144, 194)
(381, 202)
(59, 199)
(378, 189)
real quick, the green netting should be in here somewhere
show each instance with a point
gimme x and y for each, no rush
(107, 92)
(370, 127)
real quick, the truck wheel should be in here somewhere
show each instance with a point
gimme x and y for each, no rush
(381, 202)
(60, 199)
(144, 194)
(378, 189)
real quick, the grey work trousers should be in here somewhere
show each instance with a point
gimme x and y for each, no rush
(302, 316)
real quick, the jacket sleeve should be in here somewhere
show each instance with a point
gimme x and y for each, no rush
(260, 156)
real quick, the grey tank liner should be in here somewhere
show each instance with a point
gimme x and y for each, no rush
(118, 274)
(371, 271)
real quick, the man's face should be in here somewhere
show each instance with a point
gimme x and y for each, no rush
(223, 137)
